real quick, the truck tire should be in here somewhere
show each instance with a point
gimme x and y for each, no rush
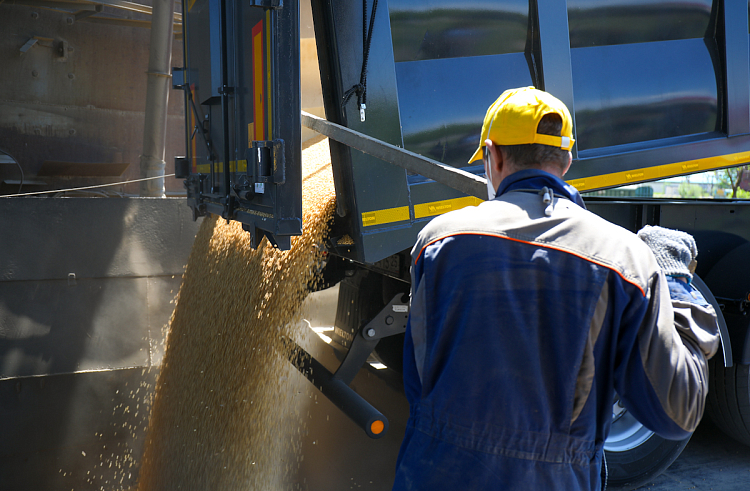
(729, 399)
(635, 454)
(728, 403)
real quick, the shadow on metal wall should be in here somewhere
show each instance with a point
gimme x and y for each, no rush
(86, 290)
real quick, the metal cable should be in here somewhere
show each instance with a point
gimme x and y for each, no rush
(361, 88)
(85, 187)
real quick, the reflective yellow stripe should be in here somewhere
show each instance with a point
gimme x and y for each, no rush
(421, 210)
(439, 207)
(385, 216)
(190, 4)
(659, 172)
(219, 167)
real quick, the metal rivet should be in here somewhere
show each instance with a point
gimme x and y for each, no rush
(71, 76)
(389, 320)
(371, 332)
(34, 73)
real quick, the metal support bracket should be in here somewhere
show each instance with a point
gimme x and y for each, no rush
(361, 412)
(389, 321)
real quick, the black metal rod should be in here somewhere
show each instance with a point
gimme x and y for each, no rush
(458, 179)
(361, 412)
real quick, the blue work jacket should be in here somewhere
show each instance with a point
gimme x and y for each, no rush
(526, 315)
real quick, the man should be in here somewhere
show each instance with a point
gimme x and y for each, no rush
(528, 312)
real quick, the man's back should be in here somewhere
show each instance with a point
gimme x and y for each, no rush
(528, 312)
(519, 324)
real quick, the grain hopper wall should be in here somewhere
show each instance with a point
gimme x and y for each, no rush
(86, 290)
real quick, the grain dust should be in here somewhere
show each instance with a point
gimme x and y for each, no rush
(218, 419)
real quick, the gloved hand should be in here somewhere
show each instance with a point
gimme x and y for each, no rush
(694, 318)
(675, 251)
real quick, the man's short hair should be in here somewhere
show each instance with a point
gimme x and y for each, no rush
(536, 154)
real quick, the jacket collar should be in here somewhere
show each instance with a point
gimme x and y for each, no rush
(535, 179)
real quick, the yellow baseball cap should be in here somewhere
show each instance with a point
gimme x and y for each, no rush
(514, 117)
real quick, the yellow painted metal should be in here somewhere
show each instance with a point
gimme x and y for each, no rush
(234, 166)
(659, 172)
(389, 215)
(439, 207)
(422, 210)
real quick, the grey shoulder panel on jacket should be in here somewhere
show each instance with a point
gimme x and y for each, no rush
(520, 216)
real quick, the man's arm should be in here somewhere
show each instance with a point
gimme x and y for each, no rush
(665, 380)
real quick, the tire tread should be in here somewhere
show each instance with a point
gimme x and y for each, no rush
(728, 403)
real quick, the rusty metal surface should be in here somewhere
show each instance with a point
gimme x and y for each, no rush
(77, 94)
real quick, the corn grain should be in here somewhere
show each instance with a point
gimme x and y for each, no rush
(218, 418)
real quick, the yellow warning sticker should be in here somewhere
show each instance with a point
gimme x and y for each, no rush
(439, 207)
(389, 215)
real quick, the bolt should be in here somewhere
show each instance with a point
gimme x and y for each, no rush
(70, 21)
(71, 76)
(371, 333)
(35, 15)
(389, 320)
(34, 73)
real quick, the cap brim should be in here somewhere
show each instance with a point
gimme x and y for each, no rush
(477, 155)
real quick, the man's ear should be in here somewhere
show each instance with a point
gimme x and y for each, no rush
(570, 161)
(495, 157)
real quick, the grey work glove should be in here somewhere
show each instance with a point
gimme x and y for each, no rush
(675, 251)
(694, 318)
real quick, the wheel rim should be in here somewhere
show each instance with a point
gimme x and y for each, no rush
(626, 432)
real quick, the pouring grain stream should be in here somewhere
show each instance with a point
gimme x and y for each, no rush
(218, 419)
